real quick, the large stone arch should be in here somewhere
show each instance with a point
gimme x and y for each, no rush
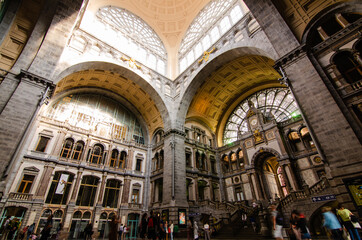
(144, 86)
(221, 57)
(262, 151)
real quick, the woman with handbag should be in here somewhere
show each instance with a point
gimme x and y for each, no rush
(345, 215)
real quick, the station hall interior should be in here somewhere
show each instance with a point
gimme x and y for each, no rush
(194, 109)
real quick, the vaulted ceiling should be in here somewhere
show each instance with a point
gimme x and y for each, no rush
(122, 86)
(169, 18)
(228, 85)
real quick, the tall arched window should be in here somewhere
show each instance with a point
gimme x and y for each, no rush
(60, 188)
(67, 148)
(132, 35)
(350, 69)
(114, 158)
(210, 24)
(282, 181)
(122, 160)
(225, 164)
(111, 194)
(274, 103)
(87, 191)
(96, 155)
(78, 150)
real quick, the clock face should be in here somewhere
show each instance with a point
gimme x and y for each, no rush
(253, 122)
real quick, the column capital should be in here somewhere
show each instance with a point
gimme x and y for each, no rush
(175, 131)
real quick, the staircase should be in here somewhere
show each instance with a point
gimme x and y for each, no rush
(227, 232)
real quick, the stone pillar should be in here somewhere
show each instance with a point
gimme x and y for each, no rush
(174, 172)
(251, 186)
(19, 105)
(45, 178)
(126, 191)
(101, 190)
(76, 186)
(59, 143)
(130, 159)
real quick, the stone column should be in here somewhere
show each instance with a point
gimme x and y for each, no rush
(251, 186)
(20, 100)
(130, 158)
(174, 172)
(126, 191)
(45, 178)
(76, 186)
(59, 143)
(101, 190)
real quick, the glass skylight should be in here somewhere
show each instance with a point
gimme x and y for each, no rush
(277, 103)
(212, 22)
(132, 36)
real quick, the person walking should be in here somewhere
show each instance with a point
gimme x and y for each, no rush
(301, 224)
(45, 233)
(166, 230)
(143, 226)
(331, 222)
(113, 228)
(277, 221)
(189, 229)
(151, 226)
(196, 231)
(120, 232)
(345, 216)
(171, 230)
(30, 231)
(207, 231)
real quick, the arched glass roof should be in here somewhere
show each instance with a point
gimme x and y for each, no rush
(275, 103)
(134, 37)
(211, 23)
(94, 112)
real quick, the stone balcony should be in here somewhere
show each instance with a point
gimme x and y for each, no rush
(20, 196)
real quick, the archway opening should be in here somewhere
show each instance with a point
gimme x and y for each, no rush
(270, 176)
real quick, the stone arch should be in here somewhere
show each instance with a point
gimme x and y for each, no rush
(353, 6)
(264, 150)
(220, 58)
(224, 56)
(115, 69)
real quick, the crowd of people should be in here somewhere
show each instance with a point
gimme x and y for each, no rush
(341, 225)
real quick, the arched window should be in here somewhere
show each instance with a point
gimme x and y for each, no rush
(78, 150)
(282, 181)
(111, 194)
(274, 103)
(43, 218)
(87, 191)
(122, 160)
(350, 69)
(97, 154)
(131, 35)
(234, 162)
(295, 142)
(307, 139)
(79, 222)
(240, 156)
(103, 227)
(201, 185)
(161, 159)
(114, 158)
(225, 164)
(60, 188)
(67, 148)
(211, 23)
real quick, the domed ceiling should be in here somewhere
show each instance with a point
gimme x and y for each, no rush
(169, 18)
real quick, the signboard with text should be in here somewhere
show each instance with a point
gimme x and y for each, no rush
(324, 198)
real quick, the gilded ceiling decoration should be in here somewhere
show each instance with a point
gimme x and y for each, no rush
(169, 18)
(119, 85)
(228, 85)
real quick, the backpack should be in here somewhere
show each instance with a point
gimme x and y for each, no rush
(150, 223)
(279, 219)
